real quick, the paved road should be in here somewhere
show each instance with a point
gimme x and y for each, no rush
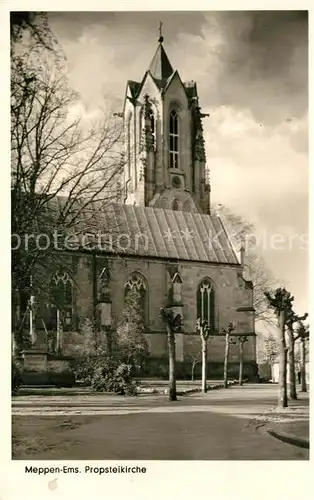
(217, 426)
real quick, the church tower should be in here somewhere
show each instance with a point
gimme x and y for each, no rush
(165, 153)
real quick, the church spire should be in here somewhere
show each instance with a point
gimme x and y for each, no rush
(160, 67)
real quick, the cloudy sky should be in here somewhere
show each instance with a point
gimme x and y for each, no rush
(251, 71)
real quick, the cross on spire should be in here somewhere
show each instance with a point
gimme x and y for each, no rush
(161, 38)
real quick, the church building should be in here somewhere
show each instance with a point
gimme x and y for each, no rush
(173, 249)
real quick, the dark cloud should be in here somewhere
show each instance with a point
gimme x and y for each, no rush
(71, 25)
(262, 62)
(264, 65)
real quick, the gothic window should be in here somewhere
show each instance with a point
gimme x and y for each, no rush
(137, 283)
(205, 302)
(176, 288)
(62, 299)
(153, 127)
(173, 139)
(175, 204)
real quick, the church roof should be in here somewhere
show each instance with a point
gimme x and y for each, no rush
(160, 233)
(162, 73)
(134, 87)
(160, 67)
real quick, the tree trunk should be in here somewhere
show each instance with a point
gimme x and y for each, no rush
(241, 364)
(282, 398)
(16, 318)
(172, 365)
(204, 366)
(226, 361)
(302, 367)
(192, 370)
(291, 362)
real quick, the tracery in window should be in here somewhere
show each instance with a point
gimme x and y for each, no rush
(62, 299)
(206, 302)
(137, 283)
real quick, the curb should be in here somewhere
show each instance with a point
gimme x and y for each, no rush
(290, 439)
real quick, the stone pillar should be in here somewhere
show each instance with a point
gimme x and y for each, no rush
(59, 333)
(179, 346)
(104, 306)
(106, 321)
(149, 176)
(32, 327)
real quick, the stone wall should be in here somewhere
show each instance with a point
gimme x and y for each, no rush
(231, 292)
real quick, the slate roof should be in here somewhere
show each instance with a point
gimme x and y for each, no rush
(161, 71)
(160, 67)
(158, 233)
(134, 87)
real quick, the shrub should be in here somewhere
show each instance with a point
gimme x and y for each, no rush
(84, 368)
(121, 382)
(16, 376)
(105, 374)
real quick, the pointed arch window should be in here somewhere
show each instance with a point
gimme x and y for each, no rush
(137, 284)
(173, 139)
(206, 302)
(62, 299)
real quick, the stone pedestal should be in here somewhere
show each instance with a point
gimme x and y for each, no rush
(34, 360)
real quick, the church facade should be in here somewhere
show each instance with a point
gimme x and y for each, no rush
(173, 249)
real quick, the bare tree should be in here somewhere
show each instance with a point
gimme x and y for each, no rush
(281, 303)
(228, 341)
(291, 320)
(173, 324)
(243, 234)
(271, 348)
(303, 333)
(63, 169)
(194, 355)
(203, 328)
(34, 24)
(194, 358)
(241, 340)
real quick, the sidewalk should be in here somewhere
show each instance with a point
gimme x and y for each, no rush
(146, 386)
(290, 425)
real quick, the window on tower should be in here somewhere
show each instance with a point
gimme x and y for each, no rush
(173, 140)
